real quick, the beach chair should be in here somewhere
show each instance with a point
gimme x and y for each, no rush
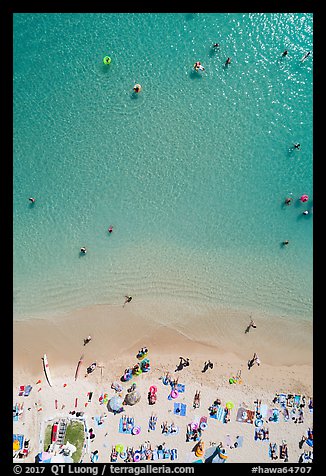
(21, 390)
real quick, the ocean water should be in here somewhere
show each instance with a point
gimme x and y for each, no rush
(192, 172)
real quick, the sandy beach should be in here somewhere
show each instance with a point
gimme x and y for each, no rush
(284, 348)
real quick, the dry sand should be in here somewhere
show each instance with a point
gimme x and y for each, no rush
(284, 347)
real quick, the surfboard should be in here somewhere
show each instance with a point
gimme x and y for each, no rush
(78, 366)
(47, 370)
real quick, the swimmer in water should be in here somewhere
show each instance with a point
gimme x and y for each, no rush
(288, 201)
(296, 146)
(32, 200)
(83, 250)
(216, 45)
(137, 88)
(198, 66)
(284, 53)
(228, 61)
(110, 229)
(305, 212)
(286, 242)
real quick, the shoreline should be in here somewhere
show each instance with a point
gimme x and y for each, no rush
(123, 330)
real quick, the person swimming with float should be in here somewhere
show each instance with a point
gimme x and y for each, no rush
(198, 66)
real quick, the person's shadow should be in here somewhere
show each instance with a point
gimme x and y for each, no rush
(212, 456)
(205, 367)
(179, 367)
(248, 329)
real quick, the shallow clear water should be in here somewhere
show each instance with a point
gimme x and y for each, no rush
(192, 172)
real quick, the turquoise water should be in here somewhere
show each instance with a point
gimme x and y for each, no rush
(192, 173)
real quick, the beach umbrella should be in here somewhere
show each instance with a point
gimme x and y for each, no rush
(132, 397)
(115, 403)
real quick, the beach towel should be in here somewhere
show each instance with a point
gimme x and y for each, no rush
(263, 410)
(27, 391)
(99, 421)
(297, 399)
(174, 454)
(20, 439)
(282, 399)
(239, 441)
(270, 447)
(310, 439)
(219, 415)
(262, 430)
(160, 454)
(129, 427)
(286, 415)
(245, 416)
(21, 390)
(180, 409)
(15, 413)
(169, 433)
(273, 415)
(203, 423)
(181, 388)
(228, 440)
(154, 455)
(152, 423)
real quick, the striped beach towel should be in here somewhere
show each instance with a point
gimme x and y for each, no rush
(220, 414)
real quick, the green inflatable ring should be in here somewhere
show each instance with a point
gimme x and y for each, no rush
(107, 60)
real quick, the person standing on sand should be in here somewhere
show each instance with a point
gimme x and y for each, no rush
(255, 360)
(128, 299)
(87, 340)
(251, 324)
